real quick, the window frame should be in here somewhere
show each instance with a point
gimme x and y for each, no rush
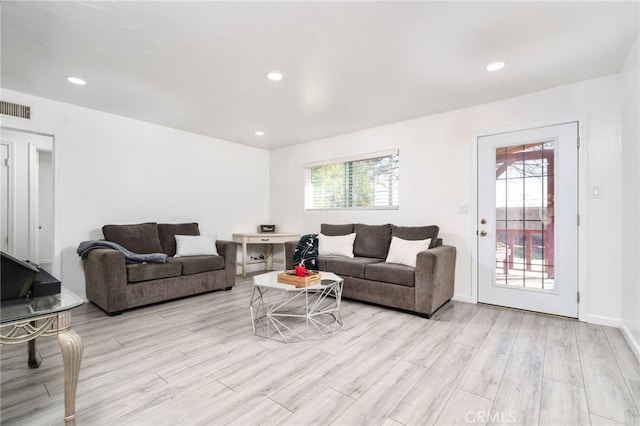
(350, 159)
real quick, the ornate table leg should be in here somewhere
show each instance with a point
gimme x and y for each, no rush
(71, 347)
(34, 360)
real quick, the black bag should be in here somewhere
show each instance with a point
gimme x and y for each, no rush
(44, 284)
(17, 277)
(22, 279)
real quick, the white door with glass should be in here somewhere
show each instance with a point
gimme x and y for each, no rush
(528, 219)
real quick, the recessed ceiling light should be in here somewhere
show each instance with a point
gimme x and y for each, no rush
(258, 133)
(495, 66)
(275, 75)
(76, 80)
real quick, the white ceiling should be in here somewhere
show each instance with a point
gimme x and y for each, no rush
(200, 66)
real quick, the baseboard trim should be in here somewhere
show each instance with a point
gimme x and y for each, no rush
(633, 343)
(601, 320)
(463, 298)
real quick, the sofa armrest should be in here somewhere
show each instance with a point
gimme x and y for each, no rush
(289, 248)
(435, 277)
(228, 250)
(106, 279)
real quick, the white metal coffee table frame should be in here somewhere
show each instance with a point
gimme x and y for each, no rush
(284, 312)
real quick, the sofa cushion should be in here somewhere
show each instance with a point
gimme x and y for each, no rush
(168, 231)
(152, 271)
(372, 240)
(416, 233)
(344, 266)
(141, 238)
(197, 264)
(391, 273)
(333, 230)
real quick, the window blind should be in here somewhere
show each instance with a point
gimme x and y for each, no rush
(366, 182)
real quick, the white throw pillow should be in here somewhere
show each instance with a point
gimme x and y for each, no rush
(341, 245)
(405, 252)
(195, 245)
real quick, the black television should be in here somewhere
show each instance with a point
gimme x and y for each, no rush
(17, 277)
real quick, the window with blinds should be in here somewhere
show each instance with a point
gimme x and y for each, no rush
(368, 181)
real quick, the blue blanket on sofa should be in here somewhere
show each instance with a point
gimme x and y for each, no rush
(129, 257)
(306, 252)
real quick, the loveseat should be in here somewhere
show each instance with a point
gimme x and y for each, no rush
(368, 277)
(115, 286)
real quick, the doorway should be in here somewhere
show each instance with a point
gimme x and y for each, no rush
(528, 219)
(27, 182)
(5, 197)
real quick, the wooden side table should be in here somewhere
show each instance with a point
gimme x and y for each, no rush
(268, 238)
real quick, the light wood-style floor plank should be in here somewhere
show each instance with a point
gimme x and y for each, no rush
(433, 343)
(465, 408)
(563, 404)
(518, 399)
(590, 332)
(487, 368)
(606, 389)
(195, 361)
(562, 360)
(320, 410)
(628, 363)
(601, 421)
(478, 327)
(429, 396)
(532, 334)
(508, 321)
(374, 406)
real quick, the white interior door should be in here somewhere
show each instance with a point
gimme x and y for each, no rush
(45, 210)
(24, 195)
(4, 198)
(528, 219)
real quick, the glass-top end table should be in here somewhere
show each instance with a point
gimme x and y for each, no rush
(287, 313)
(24, 320)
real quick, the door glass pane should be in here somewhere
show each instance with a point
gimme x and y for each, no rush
(524, 216)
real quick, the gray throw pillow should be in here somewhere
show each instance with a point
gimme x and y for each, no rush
(416, 233)
(372, 240)
(168, 232)
(141, 238)
(335, 230)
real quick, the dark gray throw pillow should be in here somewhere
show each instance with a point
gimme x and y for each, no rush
(141, 238)
(168, 232)
(335, 230)
(416, 233)
(372, 240)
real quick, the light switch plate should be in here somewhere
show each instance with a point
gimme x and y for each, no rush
(463, 208)
(596, 191)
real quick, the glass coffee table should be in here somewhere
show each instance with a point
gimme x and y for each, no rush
(24, 320)
(287, 313)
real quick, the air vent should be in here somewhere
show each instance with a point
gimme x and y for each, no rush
(15, 110)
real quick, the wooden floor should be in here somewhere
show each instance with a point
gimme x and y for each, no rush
(195, 361)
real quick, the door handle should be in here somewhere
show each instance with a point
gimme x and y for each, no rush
(483, 233)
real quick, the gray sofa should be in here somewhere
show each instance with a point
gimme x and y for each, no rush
(116, 286)
(368, 278)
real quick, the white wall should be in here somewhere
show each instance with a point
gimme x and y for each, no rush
(112, 169)
(630, 94)
(436, 164)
